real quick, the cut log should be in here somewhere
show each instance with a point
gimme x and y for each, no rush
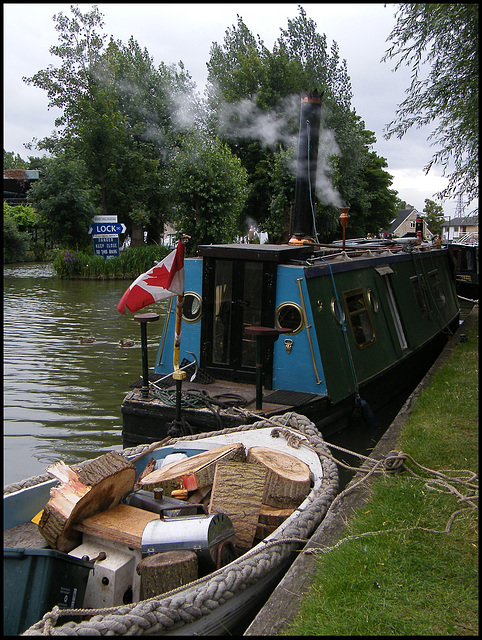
(121, 523)
(194, 473)
(273, 515)
(287, 478)
(84, 491)
(162, 572)
(238, 490)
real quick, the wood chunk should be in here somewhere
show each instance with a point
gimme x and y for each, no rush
(121, 523)
(273, 515)
(287, 479)
(149, 468)
(238, 490)
(162, 572)
(84, 491)
(194, 473)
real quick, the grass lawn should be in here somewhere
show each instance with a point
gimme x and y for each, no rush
(415, 572)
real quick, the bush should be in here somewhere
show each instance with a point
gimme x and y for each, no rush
(15, 243)
(130, 263)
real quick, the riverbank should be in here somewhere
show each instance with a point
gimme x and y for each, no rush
(394, 570)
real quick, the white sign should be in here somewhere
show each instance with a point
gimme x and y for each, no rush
(100, 219)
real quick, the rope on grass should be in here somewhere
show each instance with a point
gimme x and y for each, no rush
(443, 482)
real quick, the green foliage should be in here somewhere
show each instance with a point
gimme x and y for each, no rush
(24, 216)
(64, 202)
(439, 42)
(434, 216)
(130, 263)
(260, 85)
(15, 243)
(209, 188)
(13, 161)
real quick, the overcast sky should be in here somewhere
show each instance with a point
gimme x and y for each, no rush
(183, 31)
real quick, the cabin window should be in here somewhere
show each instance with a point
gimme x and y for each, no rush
(335, 310)
(359, 315)
(437, 289)
(192, 306)
(372, 300)
(223, 298)
(421, 295)
(289, 316)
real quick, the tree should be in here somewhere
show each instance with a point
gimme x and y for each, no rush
(434, 216)
(440, 44)
(64, 202)
(13, 160)
(118, 117)
(209, 188)
(254, 95)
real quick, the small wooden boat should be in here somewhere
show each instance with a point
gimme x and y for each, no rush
(231, 578)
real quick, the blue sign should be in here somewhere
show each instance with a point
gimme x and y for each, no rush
(106, 246)
(107, 228)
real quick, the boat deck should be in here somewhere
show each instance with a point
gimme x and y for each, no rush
(228, 394)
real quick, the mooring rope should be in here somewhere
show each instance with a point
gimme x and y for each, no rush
(395, 462)
(190, 602)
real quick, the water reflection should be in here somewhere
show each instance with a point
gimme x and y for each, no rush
(62, 398)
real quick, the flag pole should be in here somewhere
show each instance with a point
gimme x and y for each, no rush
(178, 374)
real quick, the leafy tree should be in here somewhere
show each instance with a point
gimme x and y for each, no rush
(13, 160)
(24, 216)
(263, 120)
(118, 117)
(209, 188)
(440, 44)
(64, 202)
(434, 216)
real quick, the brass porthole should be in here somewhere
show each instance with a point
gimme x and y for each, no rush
(192, 307)
(289, 316)
(372, 300)
(336, 313)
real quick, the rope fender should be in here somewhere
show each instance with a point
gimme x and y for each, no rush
(188, 603)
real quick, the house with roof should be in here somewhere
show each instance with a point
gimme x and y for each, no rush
(405, 225)
(457, 228)
(16, 183)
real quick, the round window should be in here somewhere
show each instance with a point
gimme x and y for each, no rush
(191, 308)
(289, 316)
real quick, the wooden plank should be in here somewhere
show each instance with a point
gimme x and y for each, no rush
(194, 473)
(238, 490)
(121, 523)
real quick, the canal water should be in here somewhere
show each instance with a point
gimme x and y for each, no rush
(62, 398)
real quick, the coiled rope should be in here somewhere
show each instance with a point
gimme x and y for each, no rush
(394, 462)
(187, 604)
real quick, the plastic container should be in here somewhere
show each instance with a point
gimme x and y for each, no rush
(35, 580)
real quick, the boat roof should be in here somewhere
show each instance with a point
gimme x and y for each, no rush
(280, 253)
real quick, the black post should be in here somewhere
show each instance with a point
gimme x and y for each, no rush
(143, 319)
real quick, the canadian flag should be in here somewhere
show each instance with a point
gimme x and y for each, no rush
(164, 280)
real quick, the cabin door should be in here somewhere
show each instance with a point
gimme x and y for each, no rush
(236, 294)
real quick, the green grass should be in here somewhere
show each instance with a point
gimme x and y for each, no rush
(412, 578)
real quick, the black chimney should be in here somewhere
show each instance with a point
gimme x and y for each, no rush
(303, 227)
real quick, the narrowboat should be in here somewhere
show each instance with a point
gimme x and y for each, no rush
(332, 332)
(466, 255)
